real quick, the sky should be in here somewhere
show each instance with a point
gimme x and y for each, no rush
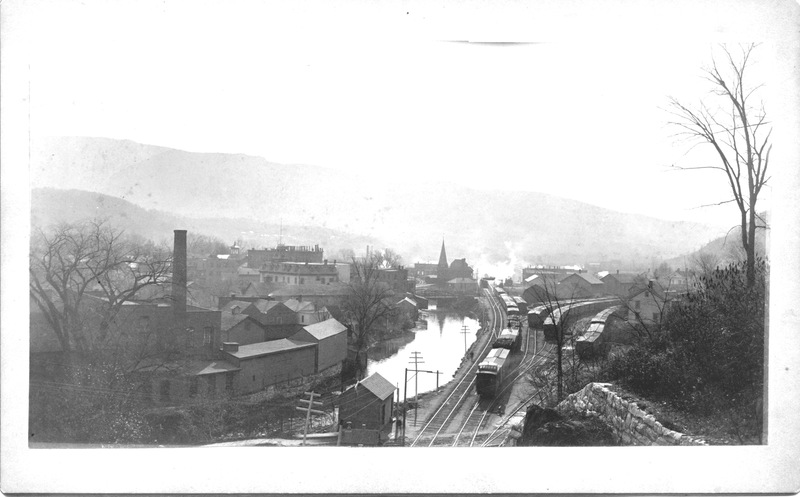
(575, 106)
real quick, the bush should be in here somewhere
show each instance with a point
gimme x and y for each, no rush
(709, 356)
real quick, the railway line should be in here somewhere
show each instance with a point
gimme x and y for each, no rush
(448, 411)
(465, 418)
(462, 418)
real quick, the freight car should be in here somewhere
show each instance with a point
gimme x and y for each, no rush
(591, 343)
(574, 310)
(508, 339)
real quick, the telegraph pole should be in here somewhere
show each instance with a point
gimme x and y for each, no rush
(465, 331)
(308, 411)
(417, 358)
(405, 406)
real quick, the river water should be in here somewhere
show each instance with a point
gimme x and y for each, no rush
(440, 342)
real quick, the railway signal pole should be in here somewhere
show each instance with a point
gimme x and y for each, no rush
(465, 331)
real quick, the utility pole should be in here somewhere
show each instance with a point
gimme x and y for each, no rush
(417, 358)
(308, 411)
(465, 331)
(405, 406)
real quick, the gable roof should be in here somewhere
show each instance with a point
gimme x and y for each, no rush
(226, 309)
(378, 385)
(589, 278)
(271, 347)
(621, 277)
(325, 329)
(657, 290)
(299, 306)
(263, 306)
(230, 320)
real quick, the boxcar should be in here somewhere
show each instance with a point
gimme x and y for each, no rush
(508, 339)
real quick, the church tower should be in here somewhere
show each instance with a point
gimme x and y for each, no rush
(442, 272)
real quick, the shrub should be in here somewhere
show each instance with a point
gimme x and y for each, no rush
(709, 356)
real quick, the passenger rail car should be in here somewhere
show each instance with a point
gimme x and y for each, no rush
(491, 372)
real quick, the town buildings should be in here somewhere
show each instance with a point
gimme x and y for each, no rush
(189, 352)
(299, 273)
(284, 253)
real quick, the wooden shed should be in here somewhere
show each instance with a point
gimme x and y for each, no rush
(368, 404)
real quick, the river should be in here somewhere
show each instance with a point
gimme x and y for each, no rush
(440, 342)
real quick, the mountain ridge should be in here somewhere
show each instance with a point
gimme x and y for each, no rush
(408, 214)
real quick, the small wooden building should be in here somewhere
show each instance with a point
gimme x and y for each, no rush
(330, 336)
(368, 404)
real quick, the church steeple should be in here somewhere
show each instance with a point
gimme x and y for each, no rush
(443, 256)
(442, 272)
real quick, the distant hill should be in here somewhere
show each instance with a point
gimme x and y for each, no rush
(50, 206)
(408, 214)
(722, 250)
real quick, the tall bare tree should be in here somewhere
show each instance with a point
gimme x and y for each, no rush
(739, 132)
(368, 303)
(73, 264)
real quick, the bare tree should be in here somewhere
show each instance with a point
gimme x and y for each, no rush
(367, 304)
(704, 262)
(82, 274)
(387, 259)
(737, 130)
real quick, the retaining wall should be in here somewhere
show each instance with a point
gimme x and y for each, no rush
(630, 424)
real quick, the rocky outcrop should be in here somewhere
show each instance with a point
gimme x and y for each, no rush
(548, 427)
(629, 424)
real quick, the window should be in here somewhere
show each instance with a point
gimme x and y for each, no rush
(302, 319)
(207, 335)
(302, 280)
(638, 304)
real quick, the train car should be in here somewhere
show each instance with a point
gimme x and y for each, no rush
(508, 339)
(499, 290)
(592, 342)
(572, 312)
(521, 305)
(489, 377)
(537, 315)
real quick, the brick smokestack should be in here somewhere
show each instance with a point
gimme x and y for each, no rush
(179, 273)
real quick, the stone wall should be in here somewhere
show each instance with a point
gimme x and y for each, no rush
(630, 424)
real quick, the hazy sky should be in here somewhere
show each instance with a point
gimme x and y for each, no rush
(395, 89)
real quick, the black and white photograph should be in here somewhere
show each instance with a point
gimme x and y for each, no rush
(400, 246)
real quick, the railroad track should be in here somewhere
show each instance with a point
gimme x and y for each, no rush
(449, 411)
(470, 433)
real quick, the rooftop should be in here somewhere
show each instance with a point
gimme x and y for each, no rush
(266, 348)
(325, 329)
(378, 385)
